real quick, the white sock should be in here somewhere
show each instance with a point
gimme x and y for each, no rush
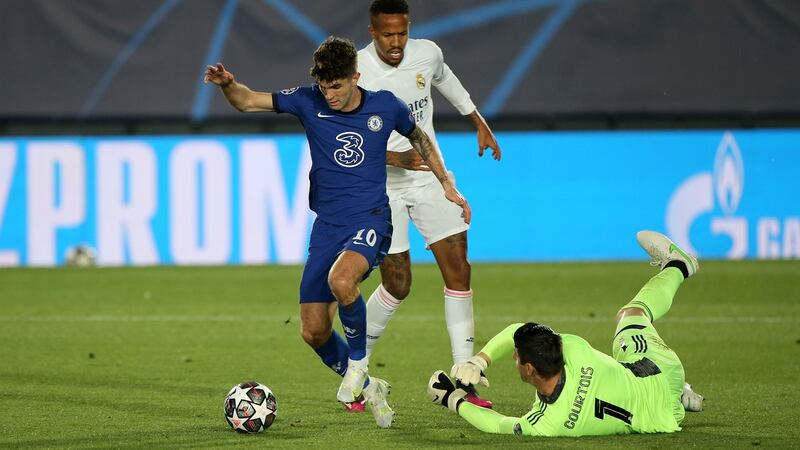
(380, 307)
(460, 323)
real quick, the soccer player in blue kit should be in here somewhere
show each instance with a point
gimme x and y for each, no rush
(347, 129)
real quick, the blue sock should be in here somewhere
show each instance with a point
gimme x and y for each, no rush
(334, 353)
(354, 322)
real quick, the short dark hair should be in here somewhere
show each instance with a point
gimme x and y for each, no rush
(541, 346)
(335, 59)
(388, 7)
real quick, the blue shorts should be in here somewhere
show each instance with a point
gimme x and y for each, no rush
(370, 236)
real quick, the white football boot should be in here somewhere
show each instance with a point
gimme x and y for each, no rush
(692, 401)
(353, 381)
(376, 394)
(662, 251)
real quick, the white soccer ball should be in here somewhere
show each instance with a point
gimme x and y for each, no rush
(250, 407)
(81, 256)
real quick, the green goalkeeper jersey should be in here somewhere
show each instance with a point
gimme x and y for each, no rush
(596, 395)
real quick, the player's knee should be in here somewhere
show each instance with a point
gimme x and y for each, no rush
(631, 311)
(341, 286)
(315, 337)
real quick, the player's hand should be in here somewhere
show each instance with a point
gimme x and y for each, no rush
(486, 140)
(410, 160)
(442, 390)
(218, 75)
(471, 372)
(452, 194)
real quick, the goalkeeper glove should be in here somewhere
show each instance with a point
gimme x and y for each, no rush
(471, 371)
(442, 390)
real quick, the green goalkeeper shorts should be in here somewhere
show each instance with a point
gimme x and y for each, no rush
(636, 338)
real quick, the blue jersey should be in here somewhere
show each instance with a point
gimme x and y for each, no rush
(348, 149)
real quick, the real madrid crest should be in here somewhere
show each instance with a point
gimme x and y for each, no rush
(375, 123)
(420, 81)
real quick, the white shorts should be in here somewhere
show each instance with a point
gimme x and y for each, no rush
(433, 214)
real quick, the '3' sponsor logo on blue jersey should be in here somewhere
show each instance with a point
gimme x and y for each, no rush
(351, 154)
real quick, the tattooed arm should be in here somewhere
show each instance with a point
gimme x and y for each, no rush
(423, 145)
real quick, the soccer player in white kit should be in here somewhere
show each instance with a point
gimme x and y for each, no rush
(408, 68)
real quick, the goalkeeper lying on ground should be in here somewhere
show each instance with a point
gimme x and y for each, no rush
(581, 391)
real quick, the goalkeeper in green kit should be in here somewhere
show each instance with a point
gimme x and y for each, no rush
(582, 391)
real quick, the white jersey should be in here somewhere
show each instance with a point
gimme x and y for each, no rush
(422, 67)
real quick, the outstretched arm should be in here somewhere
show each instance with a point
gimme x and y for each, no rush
(237, 94)
(487, 420)
(423, 145)
(442, 390)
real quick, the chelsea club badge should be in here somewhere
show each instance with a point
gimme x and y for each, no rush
(375, 123)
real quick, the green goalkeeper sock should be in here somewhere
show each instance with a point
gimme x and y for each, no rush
(655, 297)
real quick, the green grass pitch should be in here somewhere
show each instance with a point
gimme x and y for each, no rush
(143, 357)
